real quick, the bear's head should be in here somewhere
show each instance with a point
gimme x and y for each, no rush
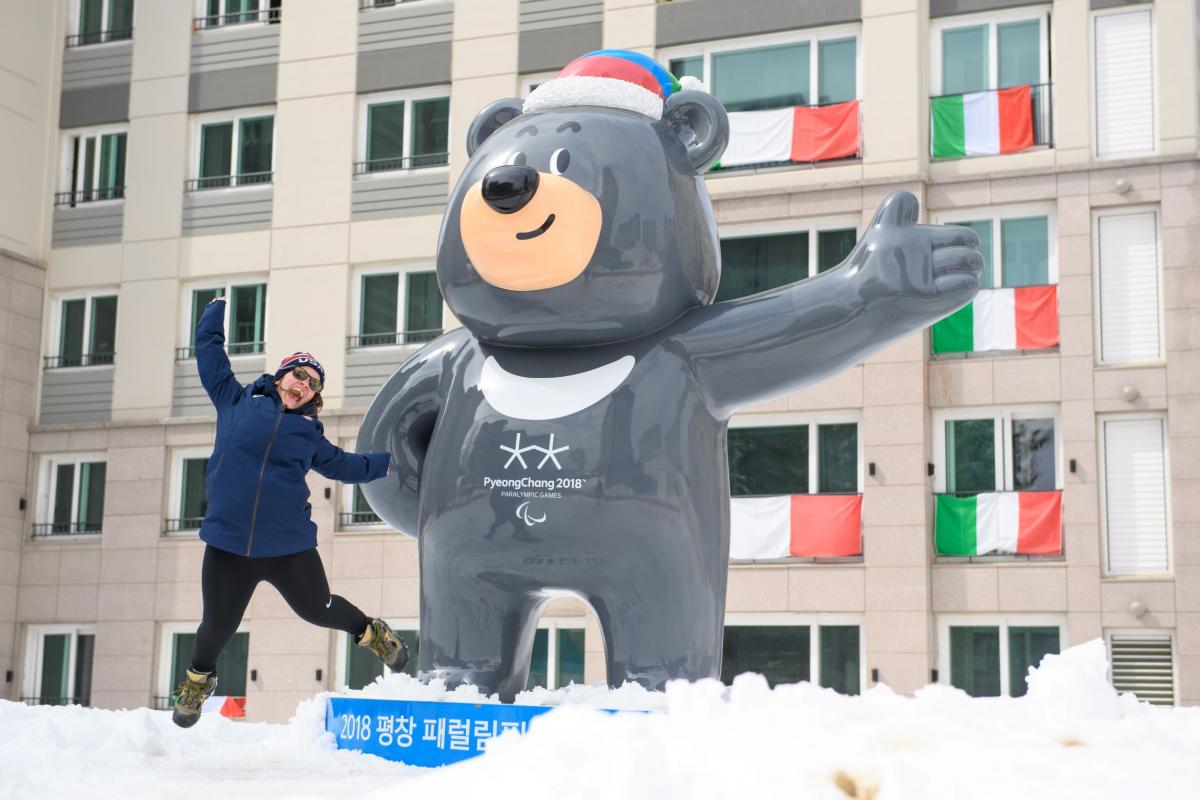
(582, 216)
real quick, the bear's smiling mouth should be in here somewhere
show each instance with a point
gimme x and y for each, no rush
(545, 226)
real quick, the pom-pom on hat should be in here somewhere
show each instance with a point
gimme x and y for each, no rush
(614, 78)
(300, 360)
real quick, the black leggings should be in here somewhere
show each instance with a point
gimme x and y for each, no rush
(227, 582)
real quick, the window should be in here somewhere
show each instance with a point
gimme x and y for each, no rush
(777, 72)
(217, 13)
(93, 166)
(405, 131)
(557, 659)
(1123, 44)
(1019, 245)
(359, 512)
(236, 151)
(72, 499)
(1129, 287)
(96, 21)
(820, 457)
(1143, 663)
(179, 640)
(991, 657)
(58, 665)
(189, 496)
(397, 307)
(361, 666)
(85, 331)
(1135, 504)
(997, 451)
(245, 317)
(753, 264)
(825, 652)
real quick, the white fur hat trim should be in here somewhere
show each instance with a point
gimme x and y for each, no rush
(587, 90)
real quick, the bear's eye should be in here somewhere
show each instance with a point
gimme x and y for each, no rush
(517, 159)
(560, 159)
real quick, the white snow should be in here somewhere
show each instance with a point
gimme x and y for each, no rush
(1070, 736)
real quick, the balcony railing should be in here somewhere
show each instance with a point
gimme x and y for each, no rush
(226, 181)
(56, 701)
(1005, 128)
(270, 15)
(84, 360)
(998, 524)
(232, 348)
(72, 199)
(406, 162)
(99, 37)
(42, 529)
(180, 524)
(363, 5)
(350, 519)
(387, 339)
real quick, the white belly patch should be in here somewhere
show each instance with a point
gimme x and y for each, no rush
(550, 398)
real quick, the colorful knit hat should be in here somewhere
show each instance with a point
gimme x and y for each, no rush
(299, 360)
(614, 78)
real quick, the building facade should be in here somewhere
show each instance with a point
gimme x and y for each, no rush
(1020, 478)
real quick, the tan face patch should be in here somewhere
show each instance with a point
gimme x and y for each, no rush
(547, 243)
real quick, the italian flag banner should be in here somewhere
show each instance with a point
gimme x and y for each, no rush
(1025, 318)
(795, 526)
(1029, 523)
(792, 134)
(982, 123)
(232, 707)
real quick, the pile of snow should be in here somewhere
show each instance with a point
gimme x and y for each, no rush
(1071, 736)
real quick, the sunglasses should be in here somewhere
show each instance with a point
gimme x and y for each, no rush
(300, 373)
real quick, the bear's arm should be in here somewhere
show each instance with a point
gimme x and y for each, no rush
(400, 421)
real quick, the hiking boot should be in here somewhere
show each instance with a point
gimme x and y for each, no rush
(195, 689)
(390, 648)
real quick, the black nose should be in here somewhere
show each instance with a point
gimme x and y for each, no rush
(508, 189)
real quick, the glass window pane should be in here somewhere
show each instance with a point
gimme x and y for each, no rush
(56, 649)
(216, 154)
(91, 20)
(254, 149)
(431, 132)
(193, 502)
(766, 461)
(692, 65)
(539, 663)
(363, 666)
(778, 653)
(834, 246)
(103, 335)
(246, 318)
(64, 490)
(70, 341)
(111, 180)
(85, 647)
(1024, 252)
(975, 660)
(231, 665)
(379, 294)
(965, 60)
(839, 658)
(1019, 57)
(423, 307)
(1033, 455)
(984, 229)
(385, 134)
(970, 456)
(757, 263)
(200, 299)
(88, 184)
(767, 77)
(836, 71)
(570, 656)
(91, 496)
(837, 458)
(1026, 648)
(120, 15)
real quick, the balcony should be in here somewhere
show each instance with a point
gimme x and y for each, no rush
(232, 348)
(79, 528)
(270, 15)
(72, 199)
(1003, 524)
(182, 524)
(81, 360)
(791, 136)
(407, 162)
(805, 526)
(227, 181)
(358, 519)
(98, 37)
(1000, 320)
(391, 339)
(996, 122)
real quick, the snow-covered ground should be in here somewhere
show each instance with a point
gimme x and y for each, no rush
(1070, 737)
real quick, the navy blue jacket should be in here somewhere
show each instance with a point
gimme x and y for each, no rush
(257, 496)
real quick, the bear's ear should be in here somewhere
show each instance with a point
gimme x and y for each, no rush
(700, 122)
(490, 119)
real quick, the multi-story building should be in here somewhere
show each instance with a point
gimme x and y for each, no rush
(1018, 479)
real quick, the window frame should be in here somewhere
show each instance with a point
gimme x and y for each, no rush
(200, 13)
(35, 637)
(812, 36)
(1097, 266)
(1003, 621)
(1155, 120)
(998, 214)
(228, 284)
(175, 493)
(356, 302)
(408, 97)
(1102, 485)
(69, 178)
(234, 116)
(75, 17)
(166, 645)
(814, 621)
(1003, 457)
(813, 419)
(811, 226)
(993, 19)
(53, 337)
(48, 489)
(346, 503)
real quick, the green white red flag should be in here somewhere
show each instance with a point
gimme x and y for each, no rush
(800, 134)
(982, 123)
(1025, 318)
(1029, 523)
(796, 526)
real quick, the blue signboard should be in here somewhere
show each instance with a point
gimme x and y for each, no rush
(421, 733)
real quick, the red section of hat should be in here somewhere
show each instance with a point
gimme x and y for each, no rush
(610, 67)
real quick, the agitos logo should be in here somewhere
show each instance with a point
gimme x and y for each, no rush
(549, 453)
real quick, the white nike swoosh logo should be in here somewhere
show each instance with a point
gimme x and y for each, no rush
(327, 605)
